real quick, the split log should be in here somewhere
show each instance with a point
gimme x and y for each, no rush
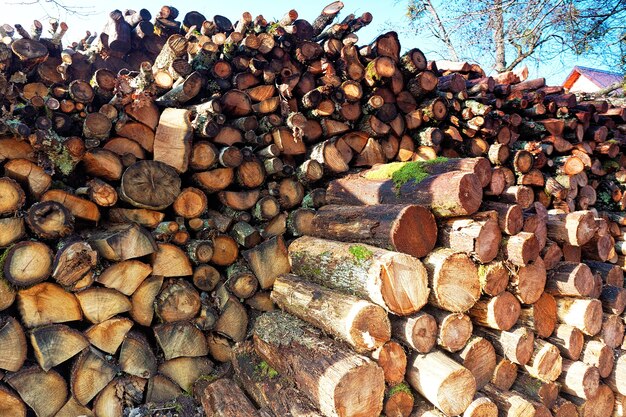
(44, 392)
(13, 343)
(56, 343)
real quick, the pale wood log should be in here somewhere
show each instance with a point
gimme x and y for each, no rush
(292, 348)
(453, 278)
(445, 383)
(417, 331)
(362, 325)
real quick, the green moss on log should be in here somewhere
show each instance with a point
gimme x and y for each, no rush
(360, 253)
(402, 172)
(264, 370)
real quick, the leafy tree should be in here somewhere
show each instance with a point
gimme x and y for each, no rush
(509, 32)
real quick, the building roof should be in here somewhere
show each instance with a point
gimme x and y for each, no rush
(601, 78)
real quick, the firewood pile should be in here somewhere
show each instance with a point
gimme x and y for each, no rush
(279, 222)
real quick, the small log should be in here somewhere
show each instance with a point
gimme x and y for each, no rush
(479, 357)
(478, 236)
(540, 316)
(150, 185)
(535, 390)
(453, 329)
(494, 278)
(417, 331)
(584, 314)
(292, 348)
(579, 379)
(382, 225)
(500, 312)
(510, 217)
(13, 196)
(570, 279)
(515, 345)
(505, 374)
(600, 405)
(453, 279)
(391, 357)
(575, 228)
(569, 340)
(27, 263)
(177, 301)
(598, 354)
(442, 381)
(528, 283)
(545, 363)
(11, 230)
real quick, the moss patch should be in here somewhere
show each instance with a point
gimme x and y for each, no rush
(360, 253)
(3, 256)
(263, 369)
(402, 387)
(402, 172)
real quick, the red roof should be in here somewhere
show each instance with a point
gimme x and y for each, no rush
(601, 78)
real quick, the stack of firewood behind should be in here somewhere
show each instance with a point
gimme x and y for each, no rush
(352, 230)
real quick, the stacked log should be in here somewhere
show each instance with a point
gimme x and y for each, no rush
(364, 230)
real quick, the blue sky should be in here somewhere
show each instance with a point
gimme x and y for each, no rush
(388, 15)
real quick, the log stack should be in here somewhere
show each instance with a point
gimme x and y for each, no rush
(243, 211)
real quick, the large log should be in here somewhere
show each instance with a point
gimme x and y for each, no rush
(294, 348)
(409, 229)
(361, 324)
(455, 193)
(392, 280)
